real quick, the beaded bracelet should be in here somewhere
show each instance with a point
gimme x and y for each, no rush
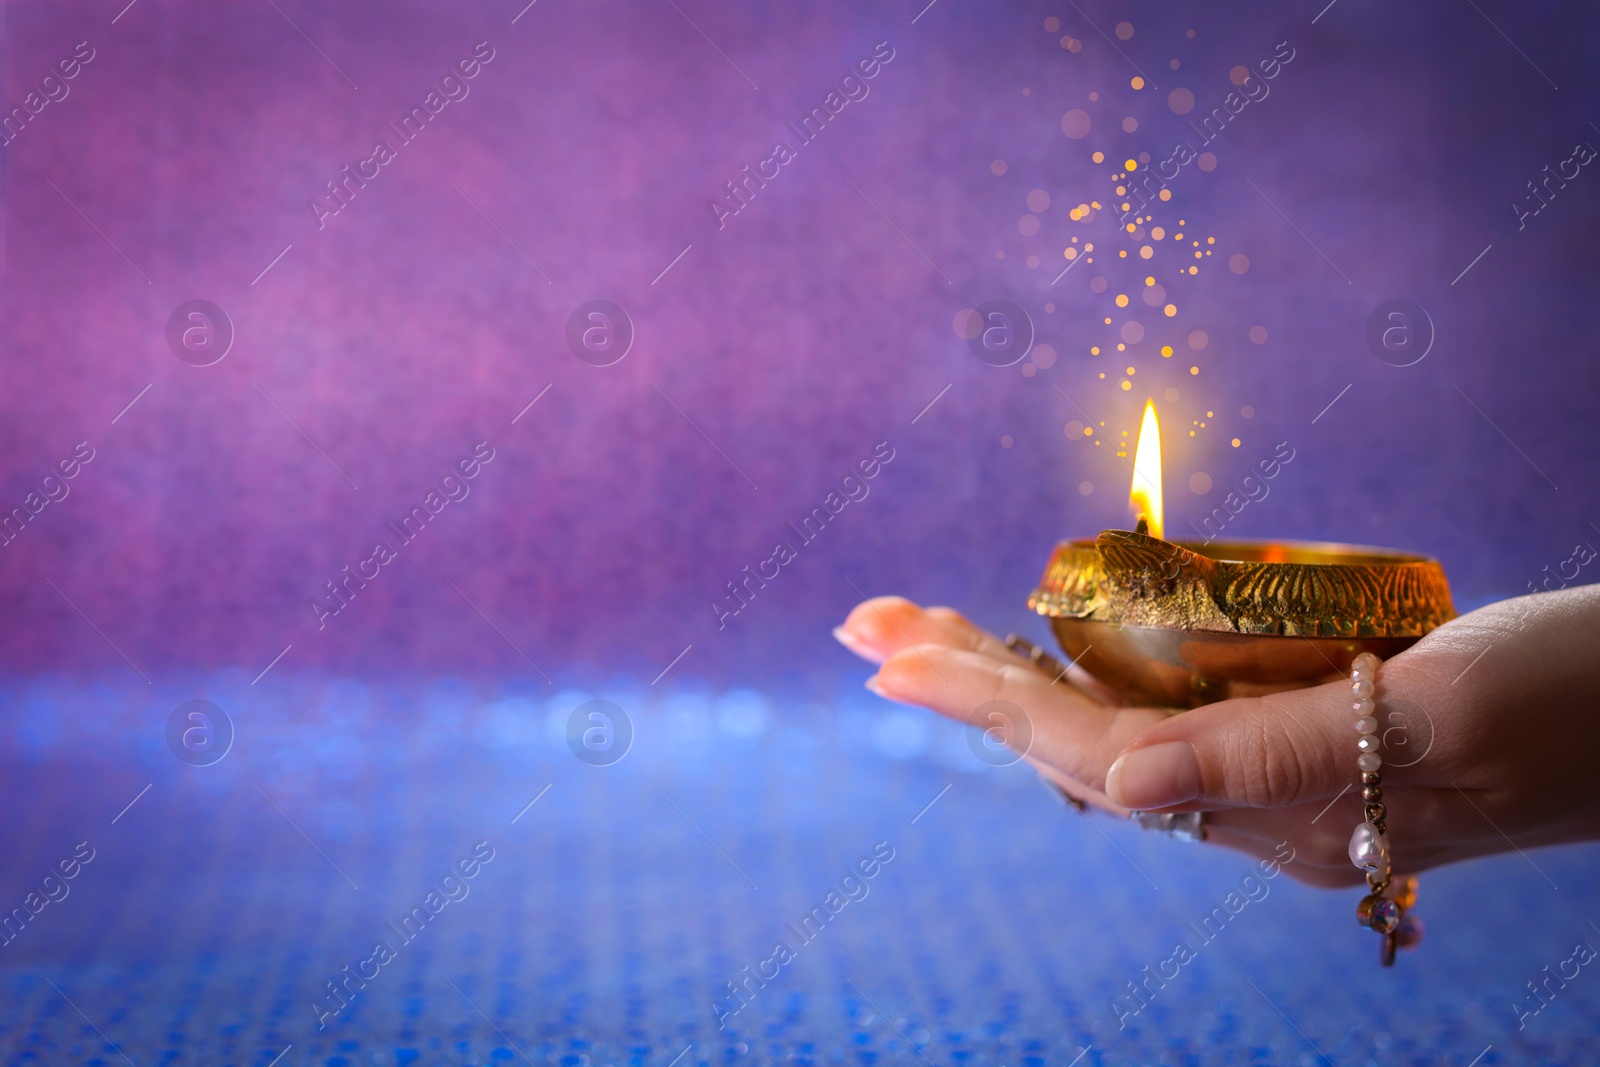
(1384, 909)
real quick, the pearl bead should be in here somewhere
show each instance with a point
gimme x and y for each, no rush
(1366, 725)
(1362, 689)
(1369, 849)
(1367, 743)
(1369, 761)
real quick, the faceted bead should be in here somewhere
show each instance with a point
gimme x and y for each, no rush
(1367, 743)
(1404, 891)
(1369, 849)
(1369, 761)
(1362, 689)
(1364, 707)
(1366, 662)
(1366, 725)
(1385, 915)
(1408, 933)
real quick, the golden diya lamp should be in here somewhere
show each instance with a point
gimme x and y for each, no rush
(1180, 624)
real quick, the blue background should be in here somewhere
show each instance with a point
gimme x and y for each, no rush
(372, 353)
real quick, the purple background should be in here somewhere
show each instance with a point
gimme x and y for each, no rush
(800, 334)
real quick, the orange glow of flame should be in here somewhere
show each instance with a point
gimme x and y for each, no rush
(1145, 496)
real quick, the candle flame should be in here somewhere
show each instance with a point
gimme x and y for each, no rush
(1145, 496)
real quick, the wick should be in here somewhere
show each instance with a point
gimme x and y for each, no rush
(1143, 526)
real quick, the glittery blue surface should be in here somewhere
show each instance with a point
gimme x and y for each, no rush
(219, 904)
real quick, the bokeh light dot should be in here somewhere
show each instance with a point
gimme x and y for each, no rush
(967, 323)
(1247, 412)
(1038, 201)
(1235, 442)
(1181, 101)
(1124, 30)
(1200, 483)
(1075, 124)
(1130, 124)
(997, 168)
(1028, 225)
(1044, 356)
(1052, 24)
(1207, 161)
(1171, 396)
(1198, 340)
(1085, 488)
(1238, 263)
(1258, 334)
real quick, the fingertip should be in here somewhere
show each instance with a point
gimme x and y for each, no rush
(850, 641)
(875, 626)
(1155, 776)
(906, 671)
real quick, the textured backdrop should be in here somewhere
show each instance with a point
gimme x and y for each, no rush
(789, 338)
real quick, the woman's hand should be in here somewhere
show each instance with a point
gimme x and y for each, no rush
(1491, 728)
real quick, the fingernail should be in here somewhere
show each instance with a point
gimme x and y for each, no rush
(852, 642)
(1155, 777)
(873, 686)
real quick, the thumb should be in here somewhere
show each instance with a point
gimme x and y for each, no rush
(1264, 752)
